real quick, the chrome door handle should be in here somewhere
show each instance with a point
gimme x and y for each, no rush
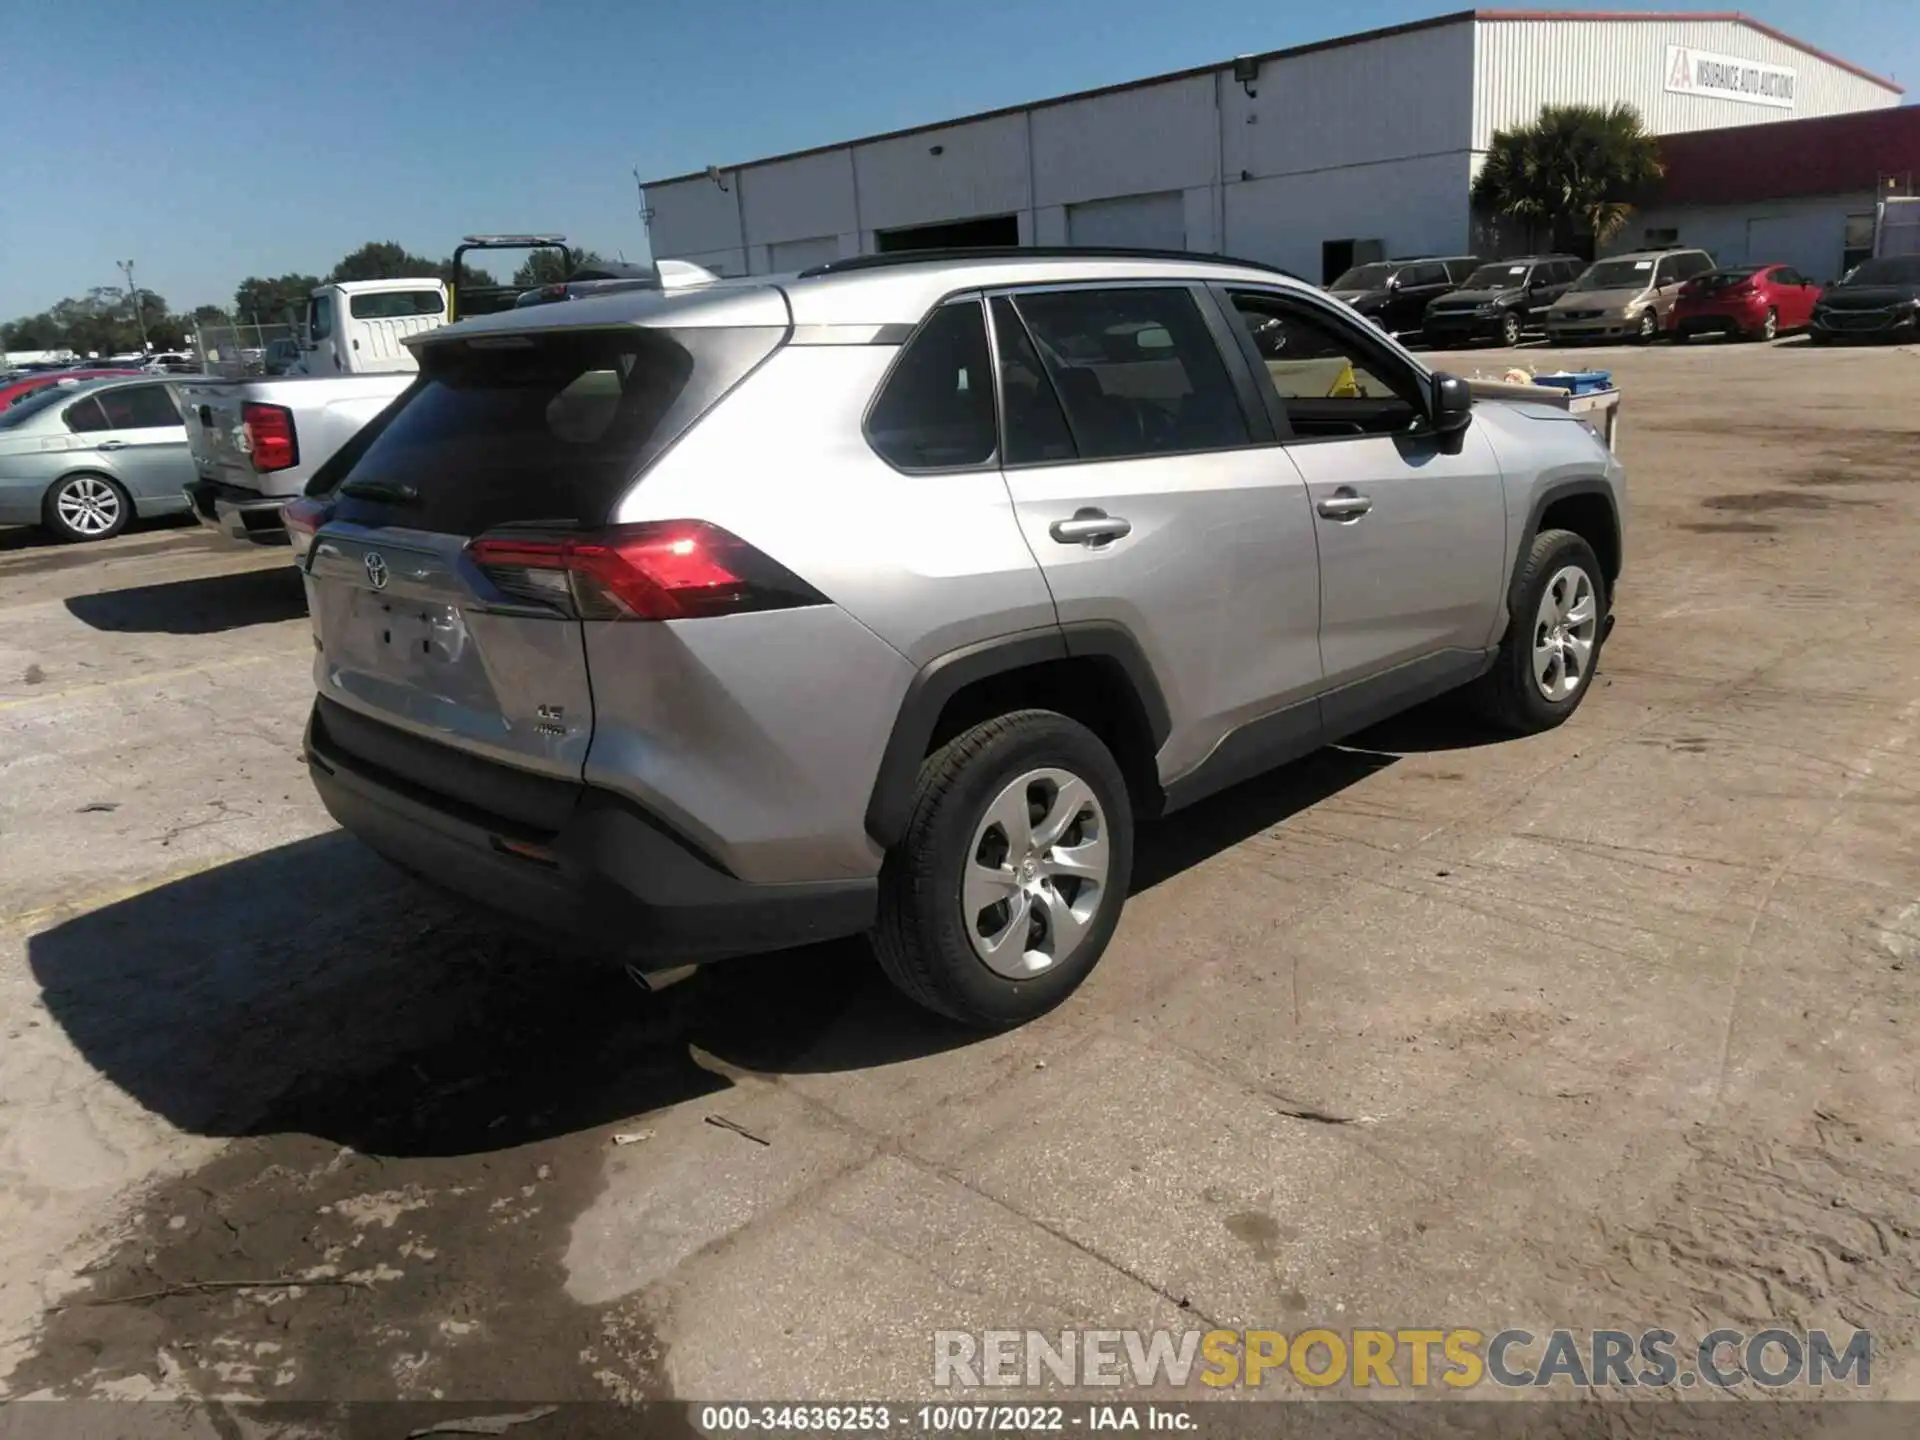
(1343, 504)
(111, 445)
(1090, 527)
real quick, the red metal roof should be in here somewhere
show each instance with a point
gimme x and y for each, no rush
(1832, 155)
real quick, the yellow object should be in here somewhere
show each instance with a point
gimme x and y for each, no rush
(1344, 386)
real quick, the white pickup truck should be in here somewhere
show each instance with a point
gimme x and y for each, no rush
(257, 442)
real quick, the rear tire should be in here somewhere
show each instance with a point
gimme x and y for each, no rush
(1528, 689)
(991, 911)
(86, 507)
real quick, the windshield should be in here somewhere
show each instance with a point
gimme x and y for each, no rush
(1496, 277)
(1363, 277)
(1616, 275)
(39, 400)
(1888, 270)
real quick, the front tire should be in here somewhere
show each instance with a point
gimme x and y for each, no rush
(1769, 327)
(1008, 884)
(1648, 330)
(1510, 330)
(1557, 622)
(86, 507)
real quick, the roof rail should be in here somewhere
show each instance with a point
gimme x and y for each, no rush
(1030, 252)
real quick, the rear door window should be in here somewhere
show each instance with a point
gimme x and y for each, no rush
(935, 409)
(1136, 370)
(1036, 426)
(547, 430)
(86, 417)
(140, 407)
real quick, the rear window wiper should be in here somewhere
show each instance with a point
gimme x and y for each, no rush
(392, 492)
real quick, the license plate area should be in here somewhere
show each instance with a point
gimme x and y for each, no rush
(398, 633)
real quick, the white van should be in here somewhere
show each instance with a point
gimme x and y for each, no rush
(358, 327)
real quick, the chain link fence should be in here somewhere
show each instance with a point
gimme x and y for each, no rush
(236, 350)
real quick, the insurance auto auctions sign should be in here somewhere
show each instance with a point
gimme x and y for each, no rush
(1728, 77)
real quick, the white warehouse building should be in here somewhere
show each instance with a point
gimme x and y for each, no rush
(1310, 158)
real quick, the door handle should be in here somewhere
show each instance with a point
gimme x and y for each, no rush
(111, 445)
(1344, 504)
(1090, 527)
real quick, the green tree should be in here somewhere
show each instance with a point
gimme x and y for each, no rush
(269, 302)
(210, 315)
(549, 267)
(384, 260)
(1572, 175)
(470, 276)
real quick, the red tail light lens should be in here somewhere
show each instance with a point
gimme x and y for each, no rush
(660, 570)
(270, 438)
(303, 519)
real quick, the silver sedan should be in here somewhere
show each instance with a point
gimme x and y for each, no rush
(82, 460)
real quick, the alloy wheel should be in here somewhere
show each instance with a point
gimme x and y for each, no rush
(1036, 873)
(88, 506)
(1564, 630)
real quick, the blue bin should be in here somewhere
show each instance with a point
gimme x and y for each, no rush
(1580, 382)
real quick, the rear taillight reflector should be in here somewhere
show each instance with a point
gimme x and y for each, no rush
(269, 435)
(660, 570)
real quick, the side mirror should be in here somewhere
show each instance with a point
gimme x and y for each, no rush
(1451, 408)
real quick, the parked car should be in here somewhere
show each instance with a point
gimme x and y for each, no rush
(1878, 299)
(588, 655)
(1500, 301)
(1394, 294)
(1624, 297)
(256, 443)
(83, 460)
(171, 362)
(15, 391)
(358, 327)
(1754, 302)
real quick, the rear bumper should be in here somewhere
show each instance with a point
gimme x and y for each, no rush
(238, 514)
(612, 880)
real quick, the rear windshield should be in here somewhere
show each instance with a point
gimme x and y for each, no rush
(396, 304)
(1727, 275)
(25, 409)
(540, 430)
(1888, 270)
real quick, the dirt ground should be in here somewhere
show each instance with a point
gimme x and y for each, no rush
(1613, 1026)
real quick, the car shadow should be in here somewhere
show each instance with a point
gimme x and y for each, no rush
(205, 605)
(313, 989)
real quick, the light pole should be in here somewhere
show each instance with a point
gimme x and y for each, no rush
(133, 295)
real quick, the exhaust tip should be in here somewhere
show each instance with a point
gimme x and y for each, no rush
(654, 981)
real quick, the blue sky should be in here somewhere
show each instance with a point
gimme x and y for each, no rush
(211, 140)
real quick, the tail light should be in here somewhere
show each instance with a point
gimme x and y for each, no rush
(660, 570)
(268, 430)
(303, 519)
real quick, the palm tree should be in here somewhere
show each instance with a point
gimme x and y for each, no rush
(1575, 172)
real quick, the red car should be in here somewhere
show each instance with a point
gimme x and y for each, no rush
(1757, 302)
(12, 394)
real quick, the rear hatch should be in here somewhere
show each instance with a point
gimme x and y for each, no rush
(467, 547)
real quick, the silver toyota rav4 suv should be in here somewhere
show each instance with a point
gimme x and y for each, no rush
(890, 597)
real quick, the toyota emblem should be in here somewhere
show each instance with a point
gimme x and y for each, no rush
(376, 570)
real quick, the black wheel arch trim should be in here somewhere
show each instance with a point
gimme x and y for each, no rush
(1563, 490)
(945, 676)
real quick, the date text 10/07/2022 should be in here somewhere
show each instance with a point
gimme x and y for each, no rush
(942, 1419)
